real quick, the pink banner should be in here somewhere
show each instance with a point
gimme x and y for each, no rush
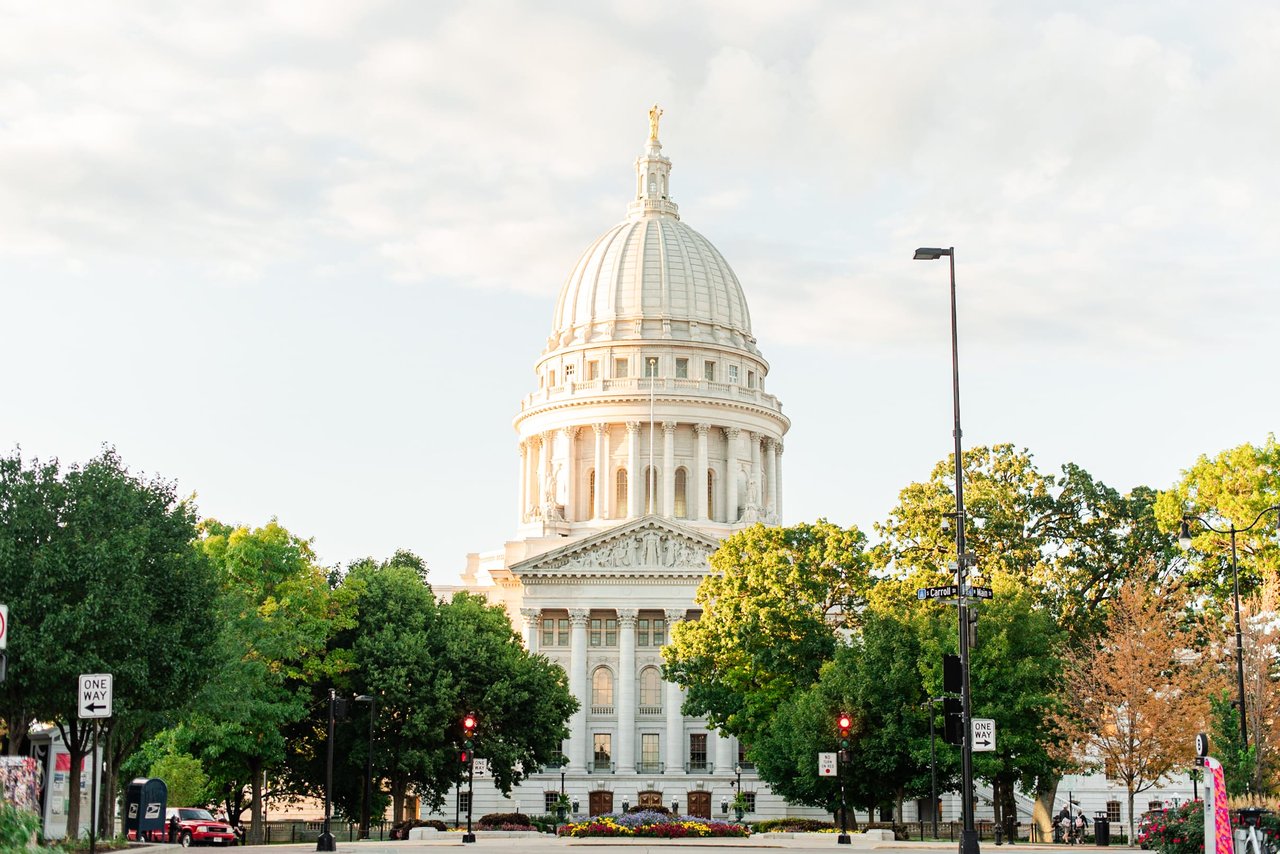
(1217, 816)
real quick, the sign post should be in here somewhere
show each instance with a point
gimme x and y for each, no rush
(93, 700)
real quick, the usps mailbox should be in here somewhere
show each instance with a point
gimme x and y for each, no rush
(144, 805)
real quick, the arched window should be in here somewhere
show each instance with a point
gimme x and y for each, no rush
(650, 687)
(620, 494)
(651, 489)
(682, 504)
(711, 494)
(591, 495)
(602, 687)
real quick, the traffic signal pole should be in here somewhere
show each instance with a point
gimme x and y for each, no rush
(468, 729)
(844, 724)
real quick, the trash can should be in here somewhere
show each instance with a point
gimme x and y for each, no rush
(1101, 828)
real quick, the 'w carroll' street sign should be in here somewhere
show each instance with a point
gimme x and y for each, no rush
(94, 695)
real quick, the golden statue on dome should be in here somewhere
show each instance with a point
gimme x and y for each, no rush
(655, 113)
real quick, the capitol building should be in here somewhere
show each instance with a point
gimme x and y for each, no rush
(650, 435)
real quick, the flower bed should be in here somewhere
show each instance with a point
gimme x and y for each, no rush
(654, 825)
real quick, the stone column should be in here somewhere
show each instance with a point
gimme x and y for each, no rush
(777, 479)
(570, 473)
(626, 699)
(675, 717)
(604, 480)
(669, 471)
(531, 619)
(698, 483)
(771, 478)
(578, 744)
(755, 482)
(725, 759)
(731, 474)
(634, 491)
(531, 488)
(522, 495)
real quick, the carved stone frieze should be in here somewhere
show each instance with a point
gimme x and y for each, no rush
(649, 548)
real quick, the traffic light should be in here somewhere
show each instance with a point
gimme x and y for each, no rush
(952, 721)
(844, 724)
(468, 731)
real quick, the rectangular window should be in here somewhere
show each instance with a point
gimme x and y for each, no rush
(601, 746)
(563, 629)
(642, 632)
(593, 370)
(551, 378)
(659, 633)
(649, 752)
(697, 751)
(751, 379)
(610, 632)
(548, 631)
(650, 366)
(1113, 811)
(568, 373)
(709, 371)
(733, 373)
(464, 802)
(742, 756)
(549, 801)
(595, 632)
(621, 368)
(1155, 806)
(750, 798)
(682, 369)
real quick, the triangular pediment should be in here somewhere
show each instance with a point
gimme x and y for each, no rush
(650, 545)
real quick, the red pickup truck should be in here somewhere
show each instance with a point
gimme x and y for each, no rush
(197, 826)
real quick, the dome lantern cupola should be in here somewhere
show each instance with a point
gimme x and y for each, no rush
(653, 176)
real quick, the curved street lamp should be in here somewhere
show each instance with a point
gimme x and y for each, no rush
(1184, 540)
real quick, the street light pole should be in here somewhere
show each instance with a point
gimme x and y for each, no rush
(969, 834)
(367, 817)
(326, 842)
(1184, 540)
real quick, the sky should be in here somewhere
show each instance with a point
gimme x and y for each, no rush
(300, 257)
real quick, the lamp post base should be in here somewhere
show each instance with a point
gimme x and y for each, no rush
(843, 839)
(468, 837)
(326, 842)
(968, 842)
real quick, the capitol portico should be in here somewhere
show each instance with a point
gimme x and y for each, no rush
(649, 437)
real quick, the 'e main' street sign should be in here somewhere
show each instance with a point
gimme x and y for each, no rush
(94, 695)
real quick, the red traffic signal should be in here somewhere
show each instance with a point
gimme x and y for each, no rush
(845, 723)
(464, 757)
(469, 723)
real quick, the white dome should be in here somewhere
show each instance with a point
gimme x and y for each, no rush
(652, 275)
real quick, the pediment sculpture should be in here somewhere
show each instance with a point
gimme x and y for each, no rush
(650, 548)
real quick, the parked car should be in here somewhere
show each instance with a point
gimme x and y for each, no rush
(196, 826)
(1147, 821)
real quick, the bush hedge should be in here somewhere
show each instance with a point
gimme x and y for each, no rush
(497, 820)
(792, 825)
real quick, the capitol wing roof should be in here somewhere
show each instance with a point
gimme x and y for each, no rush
(648, 546)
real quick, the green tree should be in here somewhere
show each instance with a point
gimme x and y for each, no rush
(187, 783)
(99, 570)
(771, 609)
(1238, 763)
(277, 615)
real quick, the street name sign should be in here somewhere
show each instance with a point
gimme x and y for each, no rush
(945, 592)
(978, 592)
(94, 695)
(826, 764)
(983, 734)
(4, 626)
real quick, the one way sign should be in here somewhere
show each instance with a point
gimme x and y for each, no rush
(984, 734)
(94, 696)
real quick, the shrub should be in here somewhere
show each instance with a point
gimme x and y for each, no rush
(401, 830)
(495, 820)
(792, 825)
(1180, 831)
(543, 823)
(660, 810)
(17, 827)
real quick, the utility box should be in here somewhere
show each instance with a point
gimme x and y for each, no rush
(144, 807)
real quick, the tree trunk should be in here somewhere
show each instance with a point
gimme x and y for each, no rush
(75, 737)
(1009, 809)
(1131, 796)
(256, 828)
(18, 726)
(1042, 812)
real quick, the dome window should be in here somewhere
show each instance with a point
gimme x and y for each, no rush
(733, 375)
(751, 379)
(651, 366)
(593, 370)
(711, 494)
(620, 494)
(621, 368)
(591, 492)
(709, 371)
(682, 369)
